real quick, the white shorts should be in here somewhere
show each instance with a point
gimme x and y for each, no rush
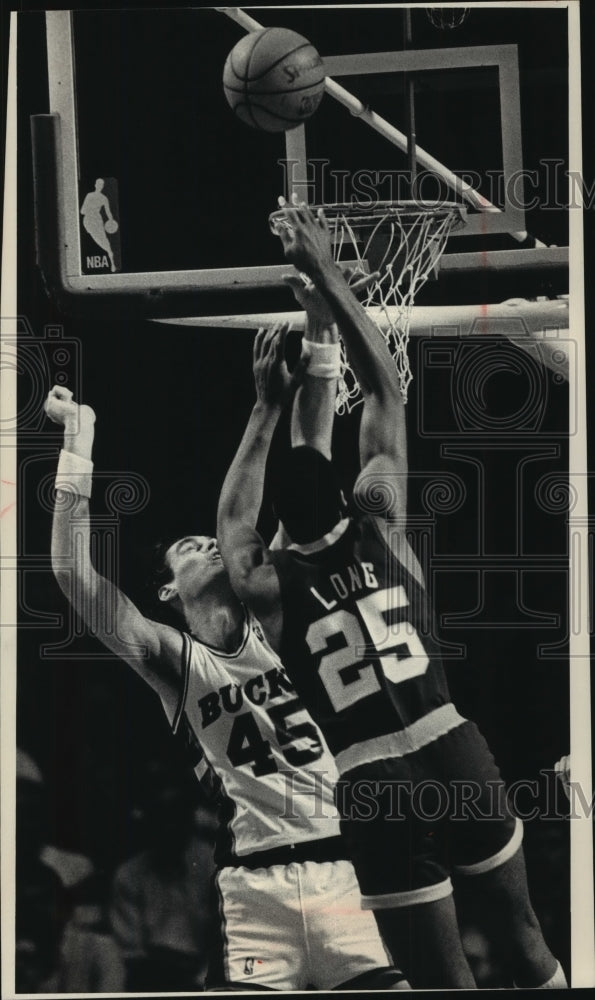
(289, 927)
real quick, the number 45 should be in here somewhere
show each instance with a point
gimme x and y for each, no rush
(343, 672)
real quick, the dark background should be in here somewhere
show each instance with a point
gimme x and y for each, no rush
(171, 404)
(158, 121)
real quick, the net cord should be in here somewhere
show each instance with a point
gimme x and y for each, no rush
(415, 240)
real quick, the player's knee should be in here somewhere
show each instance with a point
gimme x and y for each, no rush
(527, 926)
(509, 907)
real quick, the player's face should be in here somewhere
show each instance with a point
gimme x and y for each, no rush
(194, 560)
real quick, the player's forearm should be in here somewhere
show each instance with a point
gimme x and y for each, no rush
(313, 414)
(98, 602)
(367, 352)
(79, 433)
(71, 544)
(241, 496)
(71, 538)
(382, 428)
(313, 411)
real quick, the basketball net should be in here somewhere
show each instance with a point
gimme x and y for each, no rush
(447, 17)
(398, 244)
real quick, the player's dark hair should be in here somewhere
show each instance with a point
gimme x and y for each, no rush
(307, 496)
(157, 573)
(160, 571)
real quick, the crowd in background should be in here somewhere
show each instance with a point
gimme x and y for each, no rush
(143, 921)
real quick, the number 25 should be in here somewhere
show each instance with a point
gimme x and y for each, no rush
(344, 672)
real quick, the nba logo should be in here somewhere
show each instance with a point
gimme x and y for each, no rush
(100, 236)
(248, 966)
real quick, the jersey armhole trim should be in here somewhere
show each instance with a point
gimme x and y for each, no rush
(248, 618)
(309, 548)
(186, 654)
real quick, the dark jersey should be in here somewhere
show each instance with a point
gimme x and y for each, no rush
(358, 636)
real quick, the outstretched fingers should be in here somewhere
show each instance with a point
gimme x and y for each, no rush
(322, 221)
(267, 336)
(258, 342)
(357, 284)
(262, 342)
(278, 336)
(298, 211)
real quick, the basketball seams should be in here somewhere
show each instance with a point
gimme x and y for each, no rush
(299, 102)
(265, 111)
(273, 93)
(247, 77)
(243, 77)
(237, 75)
(275, 114)
(285, 55)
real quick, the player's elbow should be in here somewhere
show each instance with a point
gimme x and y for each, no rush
(245, 569)
(387, 393)
(63, 578)
(240, 575)
(381, 488)
(242, 589)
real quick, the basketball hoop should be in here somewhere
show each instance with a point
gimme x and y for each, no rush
(398, 244)
(446, 17)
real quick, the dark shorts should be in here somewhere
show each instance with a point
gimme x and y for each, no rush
(410, 821)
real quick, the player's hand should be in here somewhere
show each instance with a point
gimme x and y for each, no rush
(562, 769)
(62, 409)
(275, 384)
(310, 299)
(316, 306)
(305, 237)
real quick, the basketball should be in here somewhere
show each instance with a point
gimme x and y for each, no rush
(273, 79)
(111, 226)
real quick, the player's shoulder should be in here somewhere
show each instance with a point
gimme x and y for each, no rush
(171, 641)
(381, 487)
(162, 663)
(201, 653)
(394, 536)
(254, 626)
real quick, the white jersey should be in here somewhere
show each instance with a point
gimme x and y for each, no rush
(274, 769)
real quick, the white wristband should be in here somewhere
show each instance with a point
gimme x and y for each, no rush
(325, 359)
(74, 474)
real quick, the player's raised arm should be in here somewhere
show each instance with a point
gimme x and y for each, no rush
(383, 448)
(152, 649)
(313, 411)
(244, 553)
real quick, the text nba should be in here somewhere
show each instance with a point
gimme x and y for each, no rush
(98, 261)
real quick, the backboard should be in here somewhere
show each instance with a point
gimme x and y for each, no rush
(148, 125)
(132, 111)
